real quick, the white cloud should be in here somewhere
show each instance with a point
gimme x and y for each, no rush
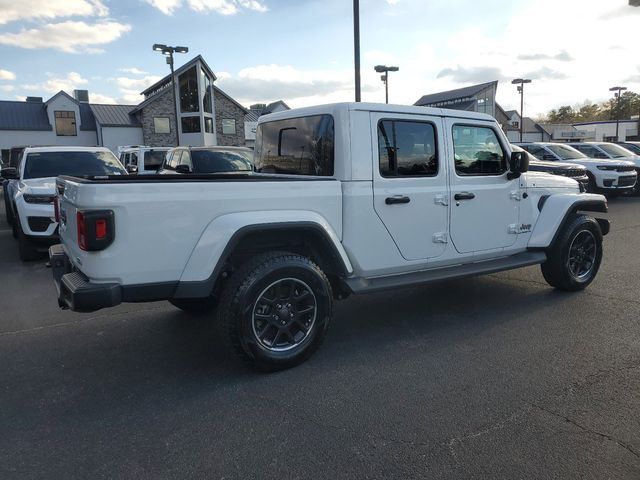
(99, 98)
(53, 84)
(70, 37)
(223, 7)
(7, 88)
(12, 10)
(137, 84)
(133, 71)
(7, 75)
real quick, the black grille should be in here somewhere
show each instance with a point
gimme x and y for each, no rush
(39, 224)
(626, 168)
(571, 172)
(627, 181)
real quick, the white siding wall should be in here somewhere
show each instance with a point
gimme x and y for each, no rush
(112, 137)
(11, 138)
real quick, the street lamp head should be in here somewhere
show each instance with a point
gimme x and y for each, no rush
(520, 81)
(380, 68)
(158, 47)
(181, 49)
(617, 89)
(526, 80)
(394, 69)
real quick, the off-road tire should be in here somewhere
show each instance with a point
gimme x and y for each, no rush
(26, 249)
(8, 213)
(195, 305)
(557, 270)
(243, 292)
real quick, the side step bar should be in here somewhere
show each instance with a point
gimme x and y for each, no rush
(367, 285)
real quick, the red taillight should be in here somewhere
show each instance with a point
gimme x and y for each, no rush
(82, 231)
(101, 229)
(56, 209)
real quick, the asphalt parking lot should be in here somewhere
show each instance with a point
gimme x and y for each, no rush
(491, 377)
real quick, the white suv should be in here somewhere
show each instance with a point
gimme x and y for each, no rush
(143, 160)
(31, 202)
(610, 176)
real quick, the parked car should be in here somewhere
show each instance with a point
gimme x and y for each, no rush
(143, 160)
(368, 199)
(9, 185)
(571, 170)
(206, 160)
(605, 175)
(633, 147)
(31, 203)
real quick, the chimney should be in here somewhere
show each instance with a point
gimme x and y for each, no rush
(81, 95)
(35, 99)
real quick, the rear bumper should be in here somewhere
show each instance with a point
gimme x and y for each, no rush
(75, 291)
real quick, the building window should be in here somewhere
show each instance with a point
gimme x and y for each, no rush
(65, 123)
(207, 106)
(161, 125)
(228, 126)
(188, 86)
(191, 125)
(208, 124)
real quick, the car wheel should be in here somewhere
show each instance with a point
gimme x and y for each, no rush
(276, 310)
(7, 209)
(26, 250)
(574, 259)
(195, 305)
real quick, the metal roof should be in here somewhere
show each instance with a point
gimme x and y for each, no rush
(114, 115)
(16, 115)
(458, 93)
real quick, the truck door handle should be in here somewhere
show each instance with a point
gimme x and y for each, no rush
(397, 199)
(464, 196)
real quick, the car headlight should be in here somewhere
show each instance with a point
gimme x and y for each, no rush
(607, 167)
(42, 199)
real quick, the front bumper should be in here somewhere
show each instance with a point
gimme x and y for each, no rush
(75, 291)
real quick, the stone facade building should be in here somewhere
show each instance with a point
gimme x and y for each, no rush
(229, 119)
(160, 107)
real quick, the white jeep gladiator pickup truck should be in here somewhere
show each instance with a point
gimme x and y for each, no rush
(346, 198)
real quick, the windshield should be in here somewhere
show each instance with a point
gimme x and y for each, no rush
(208, 161)
(632, 147)
(615, 151)
(154, 158)
(566, 152)
(53, 164)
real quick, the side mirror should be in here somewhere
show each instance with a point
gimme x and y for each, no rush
(183, 169)
(518, 164)
(10, 173)
(132, 169)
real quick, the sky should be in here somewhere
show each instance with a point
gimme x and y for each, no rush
(301, 51)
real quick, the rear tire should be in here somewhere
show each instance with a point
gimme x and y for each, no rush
(276, 310)
(574, 259)
(26, 249)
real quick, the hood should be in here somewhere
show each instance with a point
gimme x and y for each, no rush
(544, 166)
(594, 162)
(635, 159)
(547, 180)
(40, 186)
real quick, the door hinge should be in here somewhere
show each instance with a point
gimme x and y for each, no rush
(441, 200)
(515, 195)
(440, 237)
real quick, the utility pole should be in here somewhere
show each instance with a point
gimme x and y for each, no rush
(618, 91)
(385, 78)
(520, 82)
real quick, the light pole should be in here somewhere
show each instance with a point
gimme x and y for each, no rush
(520, 82)
(168, 51)
(618, 91)
(385, 78)
(356, 45)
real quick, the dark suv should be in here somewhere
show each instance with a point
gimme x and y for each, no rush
(207, 160)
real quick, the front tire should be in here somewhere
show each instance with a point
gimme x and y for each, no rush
(574, 259)
(26, 249)
(276, 309)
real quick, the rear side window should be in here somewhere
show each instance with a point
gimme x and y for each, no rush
(407, 149)
(477, 151)
(216, 161)
(52, 164)
(296, 146)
